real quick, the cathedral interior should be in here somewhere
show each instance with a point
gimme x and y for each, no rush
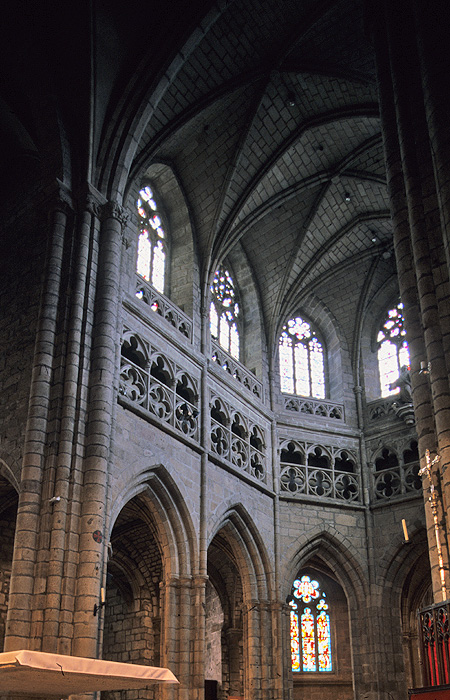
(225, 340)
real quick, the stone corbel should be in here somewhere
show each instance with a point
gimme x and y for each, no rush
(405, 412)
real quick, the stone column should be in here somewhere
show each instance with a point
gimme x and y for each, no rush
(234, 640)
(432, 28)
(286, 652)
(434, 58)
(198, 623)
(57, 628)
(418, 238)
(102, 394)
(175, 643)
(23, 581)
(267, 650)
(282, 680)
(252, 651)
(205, 438)
(202, 577)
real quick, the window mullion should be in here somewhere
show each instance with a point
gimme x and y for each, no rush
(316, 641)
(309, 369)
(298, 334)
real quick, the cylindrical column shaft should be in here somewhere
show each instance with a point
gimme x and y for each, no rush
(18, 632)
(101, 396)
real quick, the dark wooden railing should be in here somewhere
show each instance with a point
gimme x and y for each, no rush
(434, 631)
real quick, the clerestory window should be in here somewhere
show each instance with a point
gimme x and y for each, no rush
(224, 312)
(301, 360)
(393, 352)
(152, 243)
(310, 625)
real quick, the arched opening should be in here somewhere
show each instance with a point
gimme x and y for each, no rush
(132, 613)
(302, 368)
(416, 594)
(163, 249)
(152, 244)
(224, 314)
(238, 570)
(393, 352)
(224, 663)
(8, 514)
(319, 635)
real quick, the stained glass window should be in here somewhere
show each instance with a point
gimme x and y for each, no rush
(301, 360)
(393, 352)
(224, 312)
(152, 244)
(310, 627)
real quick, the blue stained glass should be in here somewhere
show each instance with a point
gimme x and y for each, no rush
(310, 628)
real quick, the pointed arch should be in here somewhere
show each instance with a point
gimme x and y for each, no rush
(372, 320)
(337, 356)
(301, 354)
(405, 587)
(8, 514)
(253, 325)
(9, 474)
(325, 554)
(125, 565)
(249, 551)
(339, 555)
(181, 262)
(134, 348)
(168, 513)
(401, 560)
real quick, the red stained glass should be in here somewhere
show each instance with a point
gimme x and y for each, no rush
(306, 589)
(323, 641)
(295, 641)
(310, 630)
(308, 641)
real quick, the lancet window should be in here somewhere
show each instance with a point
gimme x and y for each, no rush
(301, 360)
(224, 312)
(310, 624)
(393, 352)
(152, 243)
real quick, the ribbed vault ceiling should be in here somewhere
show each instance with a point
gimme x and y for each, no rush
(270, 122)
(265, 111)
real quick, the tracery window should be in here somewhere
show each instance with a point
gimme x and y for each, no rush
(301, 360)
(396, 470)
(393, 352)
(310, 626)
(224, 312)
(152, 244)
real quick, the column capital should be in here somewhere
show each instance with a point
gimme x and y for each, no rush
(113, 210)
(200, 580)
(175, 581)
(94, 203)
